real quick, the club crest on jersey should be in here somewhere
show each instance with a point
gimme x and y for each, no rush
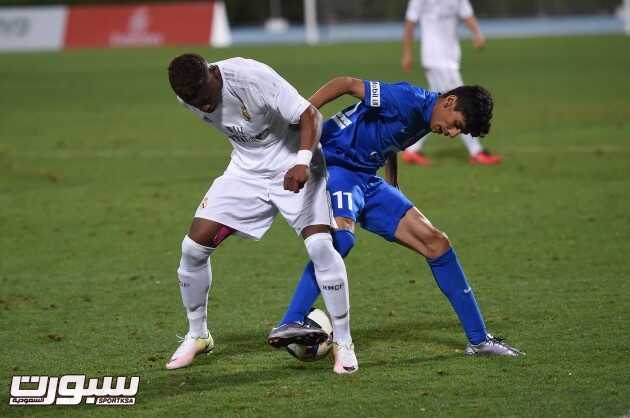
(375, 94)
(245, 113)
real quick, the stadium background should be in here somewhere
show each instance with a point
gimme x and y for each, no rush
(241, 11)
(100, 171)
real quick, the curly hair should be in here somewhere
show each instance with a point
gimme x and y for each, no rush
(187, 73)
(476, 104)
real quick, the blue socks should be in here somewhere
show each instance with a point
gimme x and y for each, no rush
(452, 282)
(305, 294)
(446, 270)
(307, 291)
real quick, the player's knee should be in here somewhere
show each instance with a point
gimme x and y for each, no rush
(194, 255)
(321, 251)
(343, 241)
(437, 243)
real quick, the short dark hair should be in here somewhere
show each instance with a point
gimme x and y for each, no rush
(476, 105)
(187, 73)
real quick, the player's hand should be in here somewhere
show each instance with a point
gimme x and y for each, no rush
(479, 41)
(406, 61)
(296, 177)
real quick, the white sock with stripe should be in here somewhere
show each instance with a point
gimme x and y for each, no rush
(330, 272)
(195, 278)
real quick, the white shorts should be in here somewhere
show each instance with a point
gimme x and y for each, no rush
(443, 79)
(250, 203)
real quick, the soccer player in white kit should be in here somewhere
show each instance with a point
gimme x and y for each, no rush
(274, 167)
(441, 57)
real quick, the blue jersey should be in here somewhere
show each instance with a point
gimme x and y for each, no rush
(388, 119)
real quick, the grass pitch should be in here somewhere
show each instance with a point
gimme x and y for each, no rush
(101, 170)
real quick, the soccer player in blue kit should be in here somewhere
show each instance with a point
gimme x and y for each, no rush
(357, 142)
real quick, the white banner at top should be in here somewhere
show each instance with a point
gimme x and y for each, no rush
(32, 28)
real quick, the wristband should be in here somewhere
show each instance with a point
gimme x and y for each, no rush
(304, 157)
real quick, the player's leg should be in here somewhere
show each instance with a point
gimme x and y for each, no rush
(331, 276)
(231, 204)
(292, 328)
(391, 215)
(346, 206)
(310, 214)
(307, 291)
(195, 278)
(417, 233)
(195, 272)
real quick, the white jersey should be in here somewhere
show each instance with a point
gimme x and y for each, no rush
(438, 21)
(256, 111)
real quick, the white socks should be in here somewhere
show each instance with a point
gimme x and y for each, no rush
(195, 278)
(472, 144)
(417, 146)
(330, 272)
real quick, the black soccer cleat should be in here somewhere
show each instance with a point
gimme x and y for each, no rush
(296, 333)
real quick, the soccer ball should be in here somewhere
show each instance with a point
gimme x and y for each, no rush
(316, 318)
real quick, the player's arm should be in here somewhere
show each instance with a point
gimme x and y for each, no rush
(406, 61)
(415, 8)
(281, 97)
(479, 41)
(310, 132)
(337, 87)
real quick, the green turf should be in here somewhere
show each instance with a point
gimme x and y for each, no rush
(101, 170)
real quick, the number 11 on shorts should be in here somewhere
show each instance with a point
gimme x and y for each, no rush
(339, 195)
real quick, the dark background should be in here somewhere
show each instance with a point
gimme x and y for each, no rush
(248, 12)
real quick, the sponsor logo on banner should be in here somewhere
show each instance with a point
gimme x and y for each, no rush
(101, 26)
(137, 31)
(32, 28)
(14, 26)
(70, 389)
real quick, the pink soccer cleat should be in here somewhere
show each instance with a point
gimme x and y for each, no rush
(416, 158)
(484, 157)
(345, 360)
(189, 348)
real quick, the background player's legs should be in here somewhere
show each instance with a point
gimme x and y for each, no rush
(417, 233)
(417, 146)
(472, 144)
(443, 80)
(440, 80)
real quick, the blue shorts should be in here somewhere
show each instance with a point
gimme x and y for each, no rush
(368, 200)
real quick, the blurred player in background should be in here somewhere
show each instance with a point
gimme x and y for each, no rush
(273, 168)
(368, 135)
(441, 57)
